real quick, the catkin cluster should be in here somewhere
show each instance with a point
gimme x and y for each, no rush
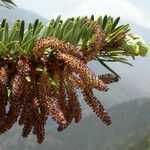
(32, 89)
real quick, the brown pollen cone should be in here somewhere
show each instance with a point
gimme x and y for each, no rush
(15, 100)
(108, 78)
(55, 43)
(49, 103)
(96, 106)
(3, 94)
(73, 102)
(78, 66)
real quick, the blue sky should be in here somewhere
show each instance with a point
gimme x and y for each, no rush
(136, 11)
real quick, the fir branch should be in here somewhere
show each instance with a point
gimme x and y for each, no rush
(42, 66)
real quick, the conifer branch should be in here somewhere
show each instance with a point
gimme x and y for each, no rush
(42, 66)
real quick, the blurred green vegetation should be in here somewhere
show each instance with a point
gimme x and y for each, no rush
(7, 3)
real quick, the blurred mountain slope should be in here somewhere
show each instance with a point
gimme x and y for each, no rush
(16, 13)
(131, 126)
